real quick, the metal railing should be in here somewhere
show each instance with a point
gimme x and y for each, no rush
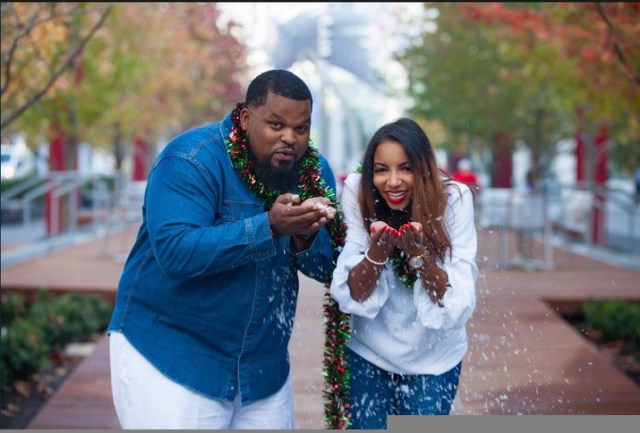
(566, 210)
(97, 207)
(593, 214)
(577, 209)
(64, 188)
(508, 210)
(104, 199)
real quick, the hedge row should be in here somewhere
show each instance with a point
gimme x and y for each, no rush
(616, 319)
(33, 333)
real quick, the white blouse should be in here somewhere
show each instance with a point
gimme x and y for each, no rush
(400, 329)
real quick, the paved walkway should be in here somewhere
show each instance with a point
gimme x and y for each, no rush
(523, 357)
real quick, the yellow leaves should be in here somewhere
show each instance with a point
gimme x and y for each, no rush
(49, 34)
(40, 44)
(145, 64)
(42, 30)
(437, 132)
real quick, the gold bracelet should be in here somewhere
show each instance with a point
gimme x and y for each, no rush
(366, 256)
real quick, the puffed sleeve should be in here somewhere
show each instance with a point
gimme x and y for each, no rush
(460, 299)
(357, 241)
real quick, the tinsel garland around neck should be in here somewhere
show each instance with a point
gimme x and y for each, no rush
(337, 324)
(401, 268)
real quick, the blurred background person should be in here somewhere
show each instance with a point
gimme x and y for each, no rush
(466, 175)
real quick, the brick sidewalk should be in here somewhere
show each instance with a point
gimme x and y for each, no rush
(523, 357)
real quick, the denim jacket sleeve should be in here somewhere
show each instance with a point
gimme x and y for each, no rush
(193, 231)
(197, 227)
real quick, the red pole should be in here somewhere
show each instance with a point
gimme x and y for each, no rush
(56, 163)
(140, 159)
(579, 150)
(54, 212)
(599, 234)
(503, 169)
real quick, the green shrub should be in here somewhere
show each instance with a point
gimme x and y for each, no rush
(81, 316)
(32, 333)
(25, 351)
(13, 306)
(615, 318)
(44, 314)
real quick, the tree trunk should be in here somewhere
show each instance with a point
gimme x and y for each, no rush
(62, 209)
(502, 168)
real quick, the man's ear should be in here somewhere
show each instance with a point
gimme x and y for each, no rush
(245, 115)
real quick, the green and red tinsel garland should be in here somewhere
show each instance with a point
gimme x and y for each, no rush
(401, 268)
(337, 324)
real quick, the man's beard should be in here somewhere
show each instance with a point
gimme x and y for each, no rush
(278, 178)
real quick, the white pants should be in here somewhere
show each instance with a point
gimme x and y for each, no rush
(146, 399)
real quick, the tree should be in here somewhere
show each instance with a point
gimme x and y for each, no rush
(109, 61)
(456, 76)
(599, 41)
(41, 42)
(181, 70)
(146, 72)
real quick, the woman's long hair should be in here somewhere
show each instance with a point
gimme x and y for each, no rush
(429, 197)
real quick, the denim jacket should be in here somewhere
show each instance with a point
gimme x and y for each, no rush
(207, 295)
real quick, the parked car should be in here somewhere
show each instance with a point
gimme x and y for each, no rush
(18, 161)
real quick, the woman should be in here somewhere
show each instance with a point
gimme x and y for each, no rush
(407, 276)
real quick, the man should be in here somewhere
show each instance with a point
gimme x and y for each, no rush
(206, 302)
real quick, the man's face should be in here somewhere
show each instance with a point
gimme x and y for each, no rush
(279, 130)
(278, 135)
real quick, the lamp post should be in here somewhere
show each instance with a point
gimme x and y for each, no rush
(324, 49)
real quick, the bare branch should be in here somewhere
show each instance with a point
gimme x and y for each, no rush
(31, 22)
(621, 56)
(66, 65)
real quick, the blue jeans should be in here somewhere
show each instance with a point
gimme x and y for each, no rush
(376, 393)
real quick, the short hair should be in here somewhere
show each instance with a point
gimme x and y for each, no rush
(279, 81)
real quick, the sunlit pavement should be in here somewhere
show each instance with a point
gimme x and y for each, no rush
(523, 357)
